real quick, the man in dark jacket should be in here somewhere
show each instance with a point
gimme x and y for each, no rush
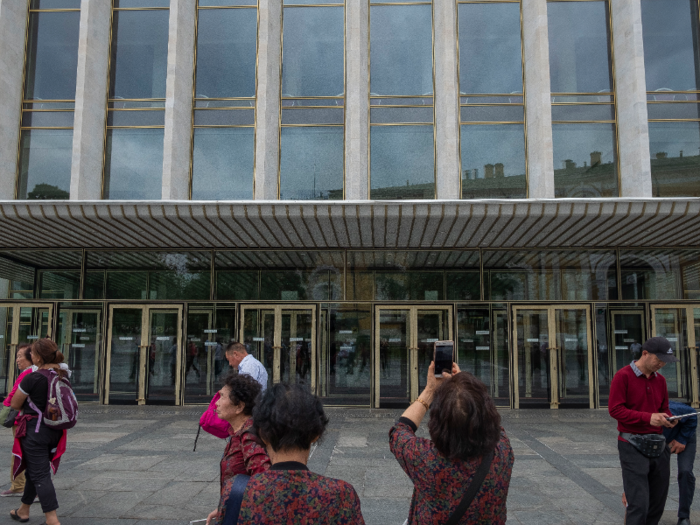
(682, 441)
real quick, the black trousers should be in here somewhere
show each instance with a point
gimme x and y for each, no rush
(36, 452)
(646, 484)
(686, 478)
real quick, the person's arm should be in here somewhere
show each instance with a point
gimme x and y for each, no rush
(8, 399)
(255, 457)
(417, 410)
(18, 400)
(688, 426)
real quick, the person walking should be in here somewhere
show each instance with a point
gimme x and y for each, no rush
(239, 359)
(682, 440)
(639, 402)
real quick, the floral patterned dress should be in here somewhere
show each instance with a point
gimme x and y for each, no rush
(440, 483)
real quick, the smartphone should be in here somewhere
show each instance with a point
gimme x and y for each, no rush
(673, 418)
(443, 357)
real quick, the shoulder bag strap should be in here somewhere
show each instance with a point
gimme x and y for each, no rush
(233, 504)
(474, 487)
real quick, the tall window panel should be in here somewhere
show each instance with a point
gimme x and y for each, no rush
(224, 100)
(51, 65)
(402, 131)
(492, 131)
(136, 101)
(672, 63)
(313, 100)
(583, 99)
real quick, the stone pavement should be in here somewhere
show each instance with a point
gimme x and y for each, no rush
(135, 466)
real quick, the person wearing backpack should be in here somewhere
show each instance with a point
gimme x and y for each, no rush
(38, 436)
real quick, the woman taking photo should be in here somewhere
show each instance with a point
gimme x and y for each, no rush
(244, 452)
(465, 429)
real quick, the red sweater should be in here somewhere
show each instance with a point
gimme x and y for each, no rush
(633, 399)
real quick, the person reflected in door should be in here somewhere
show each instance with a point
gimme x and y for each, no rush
(239, 359)
(192, 353)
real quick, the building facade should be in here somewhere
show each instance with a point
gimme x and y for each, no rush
(340, 183)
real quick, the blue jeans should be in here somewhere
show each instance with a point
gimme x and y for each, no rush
(686, 478)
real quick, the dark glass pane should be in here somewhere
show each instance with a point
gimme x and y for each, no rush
(671, 56)
(226, 49)
(47, 119)
(579, 50)
(681, 111)
(298, 285)
(400, 115)
(584, 112)
(179, 285)
(493, 162)
(660, 275)
(675, 158)
(136, 118)
(311, 163)
(401, 50)
(60, 285)
(139, 54)
(313, 116)
(127, 285)
(141, 3)
(313, 62)
(462, 286)
(52, 55)
(230, 117)
(55, 4)
(222, 163)
(134, 164)
(237, 286)
(490, 58)
(45, 164)
(402, 162)
(94, 285)
(225, 3)
(584, 160)
(492, 114)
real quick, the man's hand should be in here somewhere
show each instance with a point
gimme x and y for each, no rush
(659, 420)
(676, 447)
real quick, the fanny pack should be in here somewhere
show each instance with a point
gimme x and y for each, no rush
(649, 445)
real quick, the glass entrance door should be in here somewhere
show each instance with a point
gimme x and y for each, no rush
(553, 358)
(80, 340)
(144, 354)
(404, 337)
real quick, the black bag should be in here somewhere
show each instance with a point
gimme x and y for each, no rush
(9, 421)
(474, 487)
(649, 445)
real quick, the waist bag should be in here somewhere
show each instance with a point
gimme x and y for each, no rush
(649, 445)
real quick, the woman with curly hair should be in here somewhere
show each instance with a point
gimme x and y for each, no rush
(465, 429)
(244, 452)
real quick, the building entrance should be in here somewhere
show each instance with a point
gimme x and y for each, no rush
(80, 341)
(553, 360)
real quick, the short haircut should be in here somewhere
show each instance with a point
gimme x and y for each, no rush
(235, 346)
(464, 422)
(25, 350)
(243, 389)
(289, 417)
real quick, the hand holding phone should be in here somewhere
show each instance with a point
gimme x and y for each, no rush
(443, 357)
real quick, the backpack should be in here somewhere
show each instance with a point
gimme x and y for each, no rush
(211, 423)
(61, 404)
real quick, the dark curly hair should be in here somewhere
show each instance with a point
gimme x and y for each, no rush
(242, 389)
(464, 422)
(289, 417)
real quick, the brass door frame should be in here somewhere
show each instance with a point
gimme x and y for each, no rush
(413, 344)
(14, 335)
(98, 340)
(553, 356)
(143, 347)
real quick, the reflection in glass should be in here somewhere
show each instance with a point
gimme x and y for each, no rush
(490, 58)
(80, 341)
(127, 285)
(394, 342)
(572, 357)
(238, 286)
(222, 163)
(259, 338)
(401, 50)
(585, 162)
(672, 323)
(45, 164)
(311, 163)
(226, 53)
(579, 50)
(297, 344)
(6, 317)
(178, 285)
(94, 285)
(660, 274)
(139, 54)
(675, 158)
(300, 285)
(493, 162)
(163, 355)
(671, 56)
(125, 370)
(532, 348)
(402, 162)
(134, 164)
(59, 284)
(313, 55)
(52, 56)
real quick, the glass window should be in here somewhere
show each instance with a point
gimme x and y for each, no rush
(45, 163)
(59, 285)
(660, 275)
(675, 158)
(58, 274)
(134, 164)
(238, 285)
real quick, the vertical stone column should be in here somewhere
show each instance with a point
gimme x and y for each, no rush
(177, 143)
(357, 99)
(13, 30)
(538, 100)
(267, 105)
(631, 98)
(90, 100)
(446, 99)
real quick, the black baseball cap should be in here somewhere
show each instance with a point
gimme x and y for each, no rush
(661, 348)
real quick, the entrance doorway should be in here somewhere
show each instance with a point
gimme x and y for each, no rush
(80, 340)
(553, 358)
(144, 360)
(404, 337)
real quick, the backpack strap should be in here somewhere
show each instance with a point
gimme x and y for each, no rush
(199, 428)
(474, 487)
(235, 499)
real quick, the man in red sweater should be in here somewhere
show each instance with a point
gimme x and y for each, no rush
(639, 403)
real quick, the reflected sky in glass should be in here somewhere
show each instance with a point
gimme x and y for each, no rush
(139, 54)
(490, 58)
(401, 50)
(311, 163)
(226, 46)
(45, 164)
(579, 56)
(134, 164)
(675, 158)
(670, 30)
(312, 58)
(52, 56)
(222, 163)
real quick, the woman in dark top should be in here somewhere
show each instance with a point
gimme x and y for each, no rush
(464, 427)
(289, 418)
(37, 446)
